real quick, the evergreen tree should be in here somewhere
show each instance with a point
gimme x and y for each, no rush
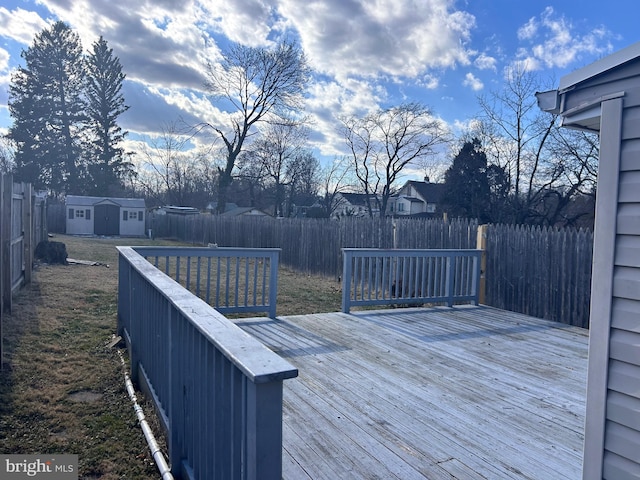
(467, 192)
(105, 103)
(47, 106)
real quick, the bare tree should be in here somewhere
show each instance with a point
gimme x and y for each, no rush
(172, 173)
(7, 154)
(384, 143)
(260, 85)
(335, 178)
(304, 175)
(545, 165)
(277, 152)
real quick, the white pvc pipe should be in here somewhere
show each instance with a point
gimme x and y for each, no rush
(165, 471)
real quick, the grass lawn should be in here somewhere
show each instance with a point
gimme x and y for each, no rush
(62, 389)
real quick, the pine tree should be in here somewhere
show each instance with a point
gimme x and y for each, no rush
(105, 103)
(47, 106)
(467, 192)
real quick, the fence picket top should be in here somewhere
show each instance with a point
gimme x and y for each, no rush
(254, 359)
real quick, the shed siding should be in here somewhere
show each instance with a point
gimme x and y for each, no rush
(622, 430)
(86, 224)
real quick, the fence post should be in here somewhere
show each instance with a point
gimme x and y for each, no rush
(481, 244)
(27, 229)
(5, 240)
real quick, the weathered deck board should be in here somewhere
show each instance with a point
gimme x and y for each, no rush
(438, 393)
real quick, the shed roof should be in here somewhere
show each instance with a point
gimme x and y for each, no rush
(84, 201)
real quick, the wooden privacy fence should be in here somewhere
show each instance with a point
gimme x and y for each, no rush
(22, 226)
(542, 272)
(232, 280)
(218, 390)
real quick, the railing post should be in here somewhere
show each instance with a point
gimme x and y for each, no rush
(264, 430)
(273, 283)
(450, 278)
(481, 244)
(346, 280)
(175, 403)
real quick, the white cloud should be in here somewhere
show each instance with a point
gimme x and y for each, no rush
(470, 80)
(20, 25)
(528, 30)
(485, 62)
(4, 60)
(243, 21)
(555, 42)
(400, 38)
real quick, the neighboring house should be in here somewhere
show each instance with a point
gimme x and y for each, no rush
(212, 207)
(604, 97)
(245, 212)
(105, 216)
(354, 205)
(175, 210)
(303, 211)
(416, 199)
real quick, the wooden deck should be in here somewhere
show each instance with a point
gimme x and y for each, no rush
(430, 393)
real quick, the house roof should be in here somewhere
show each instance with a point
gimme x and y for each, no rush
(85, 201)
(356, 198)
(238, 211)
(600, 66)
(585, 115)
(430, 192)
(181, 210)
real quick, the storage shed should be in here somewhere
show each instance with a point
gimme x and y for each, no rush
(105, 216)
(604, 97)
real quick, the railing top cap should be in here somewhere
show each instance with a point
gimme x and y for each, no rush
(161, 251)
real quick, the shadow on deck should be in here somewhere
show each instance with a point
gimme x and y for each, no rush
(469, 392)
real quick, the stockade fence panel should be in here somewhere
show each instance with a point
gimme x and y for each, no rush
(542, 272)
(22, 226)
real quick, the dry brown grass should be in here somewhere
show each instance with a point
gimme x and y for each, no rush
(62, 390)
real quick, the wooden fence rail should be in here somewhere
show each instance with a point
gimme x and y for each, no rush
(409, 277)
(218, 390)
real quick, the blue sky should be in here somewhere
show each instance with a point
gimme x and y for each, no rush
(364, 53)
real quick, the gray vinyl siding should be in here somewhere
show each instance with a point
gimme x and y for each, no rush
(604, 97)
(622, 427)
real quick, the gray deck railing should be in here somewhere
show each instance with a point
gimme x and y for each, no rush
(409, 277)
(232, 280)
(217, 389)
